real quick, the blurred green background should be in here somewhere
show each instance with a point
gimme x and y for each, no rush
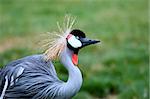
(115, 69)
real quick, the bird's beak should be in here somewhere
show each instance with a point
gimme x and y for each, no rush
(86, 41)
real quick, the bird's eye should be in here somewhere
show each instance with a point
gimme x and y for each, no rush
(77, 37)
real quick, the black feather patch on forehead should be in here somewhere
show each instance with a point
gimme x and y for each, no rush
(78, 33)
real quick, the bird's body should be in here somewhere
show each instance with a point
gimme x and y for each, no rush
(38, 79)
(34, 77)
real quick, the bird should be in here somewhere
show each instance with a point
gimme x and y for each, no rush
(35, 77)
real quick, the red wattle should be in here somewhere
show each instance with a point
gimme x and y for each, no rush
(75, 59)
(69, 36)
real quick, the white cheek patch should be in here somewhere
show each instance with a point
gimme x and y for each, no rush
(74, 42)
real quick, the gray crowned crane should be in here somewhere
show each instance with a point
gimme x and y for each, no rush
(34, 77)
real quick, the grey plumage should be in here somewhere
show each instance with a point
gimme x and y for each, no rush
(38, 78)
(35, 82)
(34, 77)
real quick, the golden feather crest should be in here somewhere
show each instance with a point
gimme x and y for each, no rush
(55, 42)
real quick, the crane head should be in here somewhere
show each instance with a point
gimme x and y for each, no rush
(77, 40)
(74, 39)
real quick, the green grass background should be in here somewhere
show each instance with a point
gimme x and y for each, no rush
(115, 69)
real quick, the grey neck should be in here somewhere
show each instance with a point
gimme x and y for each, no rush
(73, 85)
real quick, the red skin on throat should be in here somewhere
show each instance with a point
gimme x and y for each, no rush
(74, 56)
(75, 59)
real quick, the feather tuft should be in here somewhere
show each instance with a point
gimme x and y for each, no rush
(55, 42)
